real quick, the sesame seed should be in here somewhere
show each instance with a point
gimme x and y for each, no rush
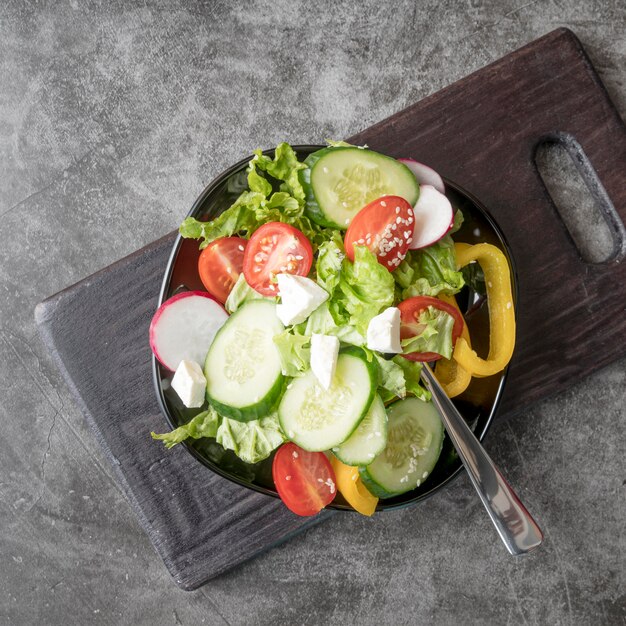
(394, 227)
(383, 203)
(424, 474)
(320, 480)
(397, 210)
(294, 454)
(240, 247)
(398, 220)
(410, 220)
(287, 477)
(419, 482)
(347, 220)
(299, 257)
(489, 284)
(509, 305)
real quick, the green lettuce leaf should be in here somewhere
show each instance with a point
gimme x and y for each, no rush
(430, 271)
(239, 219)
(391, 381)
(321, 321)
(262, 202)
(412, 370)
(365, 288)
(433, 333)
(204, 424)
(330, 257)
(242, 293)
(283, 167)
(251, 441)
(295, 352)
(458, 222)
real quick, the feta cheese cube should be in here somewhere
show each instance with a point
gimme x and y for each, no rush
(300, 296)
(324, 353)
(383, 332)
(190, 384)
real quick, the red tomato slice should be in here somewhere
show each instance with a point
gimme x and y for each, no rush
(275, 248)
(305, 481)
(220, 264)
(385, 226)
(409, 315)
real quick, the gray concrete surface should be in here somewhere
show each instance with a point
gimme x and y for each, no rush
(113, 116)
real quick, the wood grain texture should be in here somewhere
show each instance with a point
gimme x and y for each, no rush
(481, 132)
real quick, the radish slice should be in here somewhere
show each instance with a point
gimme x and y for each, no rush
(424, 174)
(184, 327)
(434, 217)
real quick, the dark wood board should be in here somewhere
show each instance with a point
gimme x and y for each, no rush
(481, 132)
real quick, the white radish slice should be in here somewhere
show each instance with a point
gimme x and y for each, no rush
(184, 327)
(425, 175)
(434, 217)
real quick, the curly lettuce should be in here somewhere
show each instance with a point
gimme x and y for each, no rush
(432, 332)
(430, 271)
(275, 194)
(250, 441)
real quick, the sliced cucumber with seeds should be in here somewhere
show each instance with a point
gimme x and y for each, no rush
(339, 182)
(414, 440)
(318, 419)
(368, 440)
(242, 368)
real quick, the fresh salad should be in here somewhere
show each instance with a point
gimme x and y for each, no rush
(329, 283)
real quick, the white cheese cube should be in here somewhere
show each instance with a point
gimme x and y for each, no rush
(324, 353)
(190, 384)
(300, 296)
(383, 332)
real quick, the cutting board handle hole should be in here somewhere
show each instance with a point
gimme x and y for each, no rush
(580, 199)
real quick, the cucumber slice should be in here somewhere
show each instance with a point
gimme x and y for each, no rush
(317, 419)
(414, 441)
(242, 368)
(339, 182)
(368, 440)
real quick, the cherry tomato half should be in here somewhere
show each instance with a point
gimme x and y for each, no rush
(305, 481)
(275, 248)
(410, 310)
(385, 226)
(220, 264)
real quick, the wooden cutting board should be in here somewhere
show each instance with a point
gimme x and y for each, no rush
(481, 132)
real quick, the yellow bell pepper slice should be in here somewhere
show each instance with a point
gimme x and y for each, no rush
(501, 311)
(453, 378)
(352, 488)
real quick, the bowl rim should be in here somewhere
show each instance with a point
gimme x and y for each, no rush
(156, 379)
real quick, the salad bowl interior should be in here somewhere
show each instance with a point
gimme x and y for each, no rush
(478, 403)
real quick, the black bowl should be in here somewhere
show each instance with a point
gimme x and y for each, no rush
(479, 403)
